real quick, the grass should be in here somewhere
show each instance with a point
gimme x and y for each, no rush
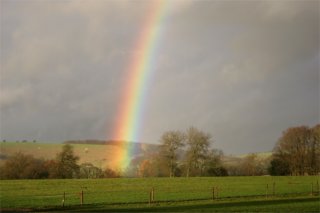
(297, 204)
(171, 194)
(301, 204)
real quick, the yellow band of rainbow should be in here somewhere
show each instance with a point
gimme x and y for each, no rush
(139, 72)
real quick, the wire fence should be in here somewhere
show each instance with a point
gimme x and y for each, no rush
(161, 194)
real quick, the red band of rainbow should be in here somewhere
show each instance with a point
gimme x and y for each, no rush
(139, 72)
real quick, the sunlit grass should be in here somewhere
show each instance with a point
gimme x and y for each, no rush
(40, 193)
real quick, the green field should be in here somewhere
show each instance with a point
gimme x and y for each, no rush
(134, 193)
(98, 155)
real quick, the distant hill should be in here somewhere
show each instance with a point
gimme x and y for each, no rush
(260, 155)
(98, 153)
(97, 142)
(234, 160)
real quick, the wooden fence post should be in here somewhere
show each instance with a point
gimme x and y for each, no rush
(152, 194)
(312, 189)
(63, 198)
(267, 191)
(274, 189)
(81, 198)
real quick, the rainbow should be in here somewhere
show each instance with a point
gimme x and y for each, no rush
(140, 70)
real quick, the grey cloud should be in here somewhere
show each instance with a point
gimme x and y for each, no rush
(241, 70)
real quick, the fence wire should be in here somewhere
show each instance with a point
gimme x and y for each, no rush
(161, 194)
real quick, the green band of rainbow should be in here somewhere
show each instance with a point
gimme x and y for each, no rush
(139, 72)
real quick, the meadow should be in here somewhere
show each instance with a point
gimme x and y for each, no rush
(135, 193)
(98, 155)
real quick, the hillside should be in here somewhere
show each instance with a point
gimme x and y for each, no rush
(234, 160)
(99, 155)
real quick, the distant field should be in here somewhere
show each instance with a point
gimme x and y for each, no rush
(135, 191)
(260, 155)
(99, 155)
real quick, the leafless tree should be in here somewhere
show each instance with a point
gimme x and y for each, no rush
(198, 144)
(300, 148)
(171, 142)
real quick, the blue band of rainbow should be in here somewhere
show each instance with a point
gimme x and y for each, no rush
(139, 73)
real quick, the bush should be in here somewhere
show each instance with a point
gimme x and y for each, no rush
(21, 166)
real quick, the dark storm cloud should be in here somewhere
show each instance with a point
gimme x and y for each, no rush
(243, 71)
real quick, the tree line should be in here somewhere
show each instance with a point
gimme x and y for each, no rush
(65, 165)
(188, 154)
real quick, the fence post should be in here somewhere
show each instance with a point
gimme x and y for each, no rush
(81, 198)
(267, 191)
(312, 189)
(274, 189)
(63, 198)
(152, 194)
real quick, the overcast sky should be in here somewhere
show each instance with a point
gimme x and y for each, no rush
(242, 71)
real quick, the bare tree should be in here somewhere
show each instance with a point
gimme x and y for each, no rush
(299, 147)
(252, 165)
(213, 164)
(315, 150)
(198, 143)
(171, 142)
(21, 166)
(146, 169)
